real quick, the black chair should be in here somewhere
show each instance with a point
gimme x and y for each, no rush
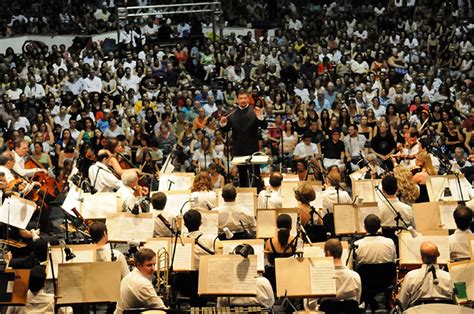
(335, 306)
(270, 274)
(377, 278)
(185, 289)
(434, 301)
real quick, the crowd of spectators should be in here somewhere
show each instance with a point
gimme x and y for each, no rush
(344, 77)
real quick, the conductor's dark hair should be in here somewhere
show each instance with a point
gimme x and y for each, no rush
(275, 179)
(192, 220)
(158, 200)
(284, 226)
(97, 230)
(372, 223)
(37, 278)
(463, 217)
(144, 255)
(389, 185)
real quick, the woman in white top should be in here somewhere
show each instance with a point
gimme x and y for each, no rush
(202, 190)
(216, 178)
(205, 155)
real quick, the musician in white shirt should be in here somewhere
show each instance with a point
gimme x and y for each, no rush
(101, 177)
(204, 243)
(428, 281)
(233, 215)
(271, 197)
(7, 161)
(459, 241)
(387, 214)
(374, 249)
(21, 152)
(130, 192)
(136, 289)
(333, 194)
(355, 144)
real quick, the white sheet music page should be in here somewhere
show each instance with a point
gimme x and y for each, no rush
(446, 211)
(219, 278)
(245, 275)
(345, 220)
(183, 257)
(322, 277)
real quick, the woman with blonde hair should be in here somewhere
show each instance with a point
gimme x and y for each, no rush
(407, 188)
(305, 194)
(202, 191)
(424, 169)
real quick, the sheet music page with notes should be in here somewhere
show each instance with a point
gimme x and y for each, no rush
(258, 249)
(365, 190)
(266, 226)
(156, 244)
(410, 247)
(209, 223)
(100, 205)
(219, 278)
(125, 227)
(174, 183)
(17, 212)
(174, 201)
(72, 200)
(322, 277)
(70, 285)
(85, 253)
(446, 211)
(184, 256)
(245, 274)
(288, 194)
(345, 219)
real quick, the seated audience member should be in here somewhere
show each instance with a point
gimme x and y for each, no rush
(283, 244)
(203, 243)
(202, 190)
(348, 283)
(334, 194)
(271, 197)
(233, 215)
(264, 297)
(104, 251)
(136, 289)
(459, 241)
(305, 194)
(374, 248)
(37, 300)
(429, 281)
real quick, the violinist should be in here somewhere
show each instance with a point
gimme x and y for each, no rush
(21, 154)
(407, 152)
(424, 168)
(100, 176)
(131, 192)
(7, 162)
(117, 161)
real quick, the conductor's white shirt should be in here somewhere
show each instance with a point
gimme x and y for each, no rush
(419, 283)
(375, 250)
(137, 291)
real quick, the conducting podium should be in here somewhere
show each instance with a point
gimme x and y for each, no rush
(249, 168)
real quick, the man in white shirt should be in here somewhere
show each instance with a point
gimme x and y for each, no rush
(130, 81)
(14, 92)
(92, 83)
(374, 249)
(387, 215)
(34, 90)
(306, 149)
(271, 198)
(74, 84)
(100, 176)
(136, 289)
(204, 243)
(130, 191)
(459, 241)
(233, 215)
(333, 194)
(21, 152)
(348, 283)
(210, 107)
(20, 121)
(354, 144)
(428, 281)
(104, 252)
(7, 161)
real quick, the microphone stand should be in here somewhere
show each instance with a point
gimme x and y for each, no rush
(177, 234)
(227, 144)
(449, 169)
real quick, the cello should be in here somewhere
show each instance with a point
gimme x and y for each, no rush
(49, 186)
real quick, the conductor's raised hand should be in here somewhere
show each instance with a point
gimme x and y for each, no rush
(223, 120)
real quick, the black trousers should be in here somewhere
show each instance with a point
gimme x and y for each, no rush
(249, 176)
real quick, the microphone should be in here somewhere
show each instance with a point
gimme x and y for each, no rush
(68, 252)
(246, 232)
(412, 231)
(228, 234)
(433, 272)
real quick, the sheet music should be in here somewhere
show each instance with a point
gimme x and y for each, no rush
(209, 223)
(72, 200)
(410, 248)
(219, 278)
(313, 251)
(364, 211)
(288, 194)
(174, 203)
(345, 220)
(365, 190)
(125, 228)
(99, 205)
(438, 183)
(179, 182)
(294, 222)
(59, 257)
(17, 212)
(70, 284)
(156, 245)
(183, 257)
(245, 274)
(466, 189)
(322, 277)
(258, 249)
(446, 211)
(266, 222)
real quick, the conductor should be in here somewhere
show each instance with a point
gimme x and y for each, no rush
(244, 122)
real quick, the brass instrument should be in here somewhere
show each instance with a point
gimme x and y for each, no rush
(162, 272)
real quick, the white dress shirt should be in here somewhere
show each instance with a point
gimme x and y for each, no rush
(270, 199)
(204, 240)
(19, 167)
(129, 200)
(264, 296)
(330, 197)
(102, 179)
(232, 213)
(302, 150)
(104, 254)
(206, 199)
(419, 283)
(375, 250)
(137, 291)
(39, 302)
(459, 244)
(387, 216)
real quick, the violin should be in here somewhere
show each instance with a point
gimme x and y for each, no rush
(415, 170)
